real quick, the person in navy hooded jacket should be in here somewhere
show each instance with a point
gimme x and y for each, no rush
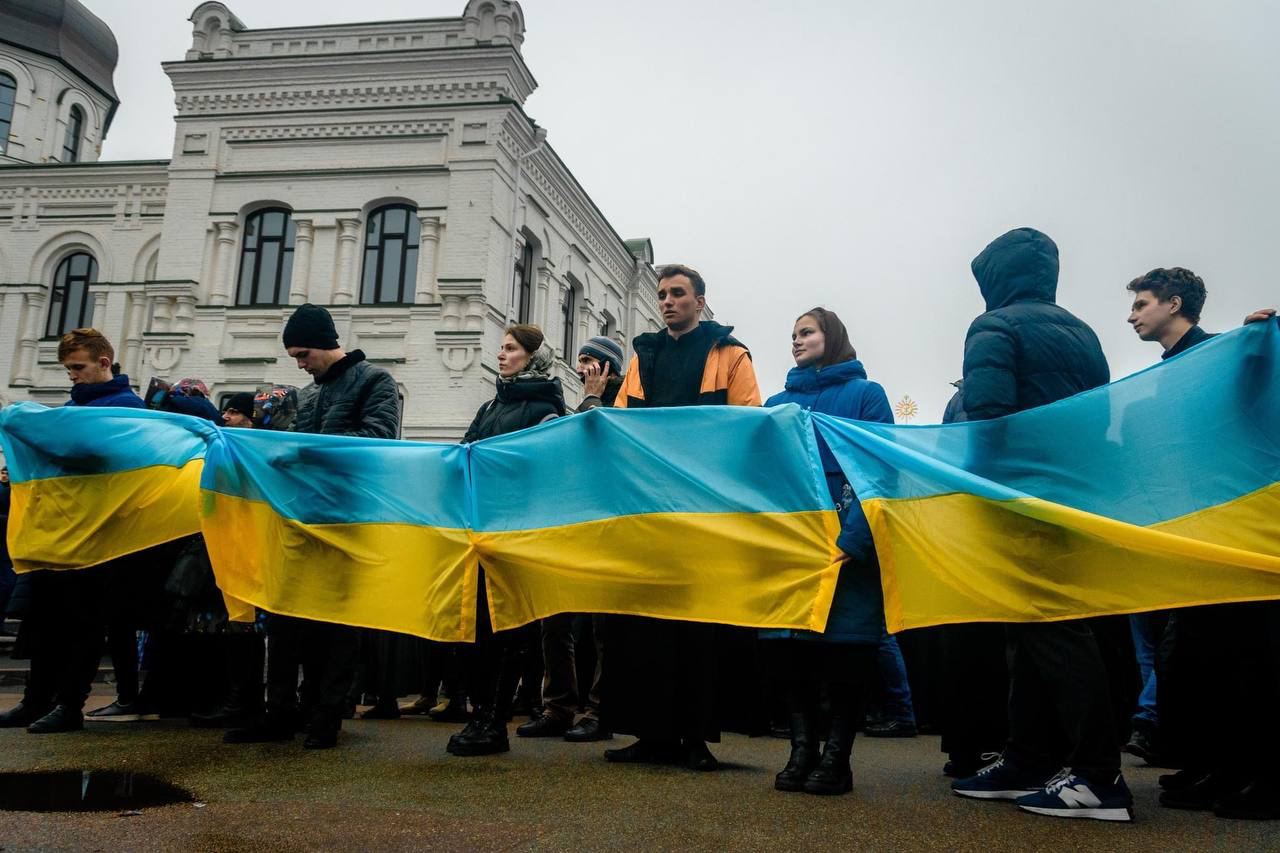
(828, 378)
(65, 619)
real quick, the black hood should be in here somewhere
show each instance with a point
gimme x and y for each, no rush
(1018, 266)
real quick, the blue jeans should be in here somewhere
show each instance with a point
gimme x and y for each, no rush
(893, 675)
(1147, 629)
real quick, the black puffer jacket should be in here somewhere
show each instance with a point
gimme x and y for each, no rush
(352, 398)
(523, 403)
(1025, 351)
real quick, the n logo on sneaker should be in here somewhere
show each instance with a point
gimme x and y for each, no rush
(1079, 796)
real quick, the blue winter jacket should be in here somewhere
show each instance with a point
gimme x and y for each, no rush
(114, 392)
(843, 390)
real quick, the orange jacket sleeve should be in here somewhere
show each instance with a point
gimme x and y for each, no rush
(743, 388)
(630, 384)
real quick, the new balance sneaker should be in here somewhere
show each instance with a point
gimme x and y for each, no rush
(999, 780)
(1069, 795)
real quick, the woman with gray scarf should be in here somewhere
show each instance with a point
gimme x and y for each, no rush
(527, 396)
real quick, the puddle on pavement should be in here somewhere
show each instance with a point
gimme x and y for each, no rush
(86, 791)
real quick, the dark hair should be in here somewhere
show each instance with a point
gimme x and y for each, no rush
(838, 348)
(1171, 282)
(90, 340)
(695, 278)
(527, 335)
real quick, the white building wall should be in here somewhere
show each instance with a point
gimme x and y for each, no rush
(328, 122)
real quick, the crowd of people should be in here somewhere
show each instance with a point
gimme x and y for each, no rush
(1038, 714)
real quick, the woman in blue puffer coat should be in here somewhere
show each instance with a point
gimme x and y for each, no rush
(828, 378)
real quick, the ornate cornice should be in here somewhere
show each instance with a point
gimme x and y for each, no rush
(338, 131)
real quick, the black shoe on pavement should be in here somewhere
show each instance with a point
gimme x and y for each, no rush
(588, 729)
(484, 737)
(1182, 779)
(698, 757)
(890, 728)
(1257, 801)
(20, 716)
(546, 725)
(63, 718)
(1202, 795)
(121, 712)
(645, 752)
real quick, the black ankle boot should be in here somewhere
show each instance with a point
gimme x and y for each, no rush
(804, 755)
(833, 774)
(486, 735)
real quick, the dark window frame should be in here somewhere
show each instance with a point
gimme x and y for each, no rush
(524, 283)
(74, 136)
(375, 253)
(7, 83)
(568, 312)
(280, 283)
(64, 281)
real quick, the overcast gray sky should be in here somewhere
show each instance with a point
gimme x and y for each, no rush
(857, 155)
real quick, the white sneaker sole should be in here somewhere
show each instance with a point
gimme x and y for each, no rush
(1118, 815)
(994, 795)
(115, 718)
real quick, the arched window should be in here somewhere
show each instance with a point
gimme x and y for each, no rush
(69, 305)
(8, 94)
(266, 258)
(524, 282)
(569, 315)
(390, 255)
(75, 130)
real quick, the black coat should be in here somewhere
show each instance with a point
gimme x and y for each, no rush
(352, 398)
(523, 403)
(1025, 351)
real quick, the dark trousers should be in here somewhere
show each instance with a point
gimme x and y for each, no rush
(1218, 668)
(806, 670)
(975, 691)
(661, 681)
(122, 645)
(327, 654)
(561, 696)
(67, 634)
(1060, 710)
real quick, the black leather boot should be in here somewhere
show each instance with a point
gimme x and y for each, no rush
(804, 755)
(486, 735)
(833, 774)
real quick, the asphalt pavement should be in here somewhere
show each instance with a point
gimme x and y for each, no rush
(390, 786)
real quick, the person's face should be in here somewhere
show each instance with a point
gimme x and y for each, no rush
(808, 343)
(4, 476)
(512, 357)
(584, 362)
(232, 418)
(1150, 317)
(82, 369)
(679, 305)
(313, 361)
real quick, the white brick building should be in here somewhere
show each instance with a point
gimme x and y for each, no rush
(367, 167)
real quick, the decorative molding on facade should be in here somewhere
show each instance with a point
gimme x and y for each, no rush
(337, 131)
(336, 97)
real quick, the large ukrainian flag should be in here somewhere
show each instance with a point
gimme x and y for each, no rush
(94, 484)
(706, 514)
(359, 531)
(1159, 490)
